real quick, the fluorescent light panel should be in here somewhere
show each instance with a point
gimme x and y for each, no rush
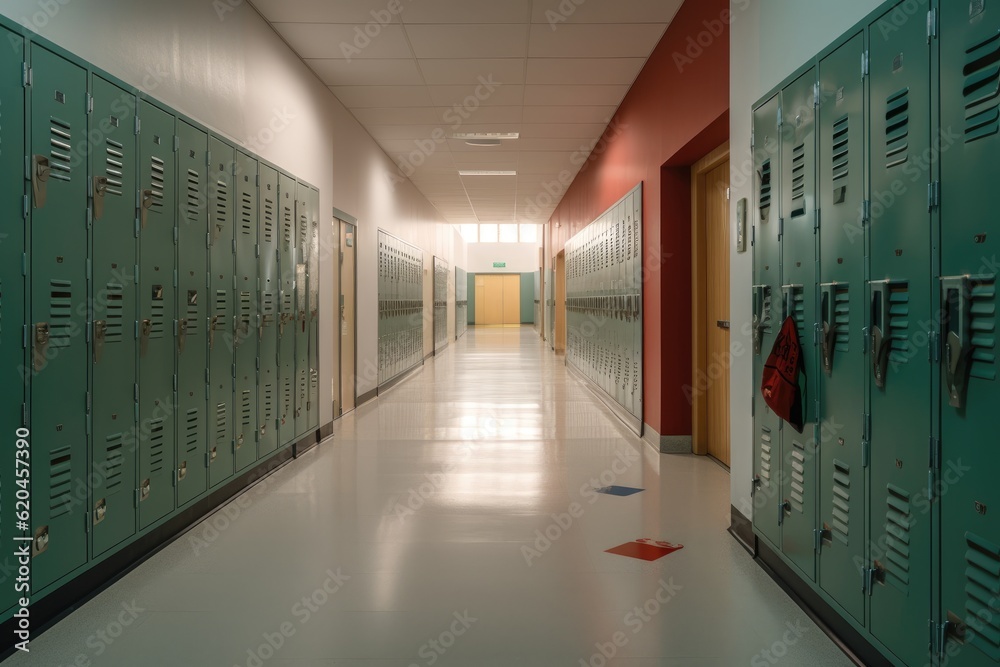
(501, 136)
(484, 172)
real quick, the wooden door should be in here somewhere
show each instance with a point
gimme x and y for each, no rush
(717, 311)
(511, 299)
(493, 301)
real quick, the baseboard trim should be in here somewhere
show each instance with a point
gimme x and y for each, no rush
(667, 444)
(367, 396)
(325, 432)
(631, 421)
(741, 528)
(399, 379)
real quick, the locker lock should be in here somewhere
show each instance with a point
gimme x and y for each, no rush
(263, 429)
(214, 454)
(100, 334)
(100, 510)
(182, 327)
(100, 190)
(239, 441)
(40, 172)
(144, 490)
(958, 347)
(42, 336)
(145, 330)
(146, 204)
(182, 471)
(40, 544)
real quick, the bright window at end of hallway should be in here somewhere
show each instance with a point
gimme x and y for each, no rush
(508, 233)
(529, 233)
(488, 233)
(469, 232)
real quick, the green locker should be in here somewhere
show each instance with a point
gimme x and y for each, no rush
(798, 297)
(312, 271)
(157, 312)
(193, 425)
(900, 301)
(245, 321)
(767, 489)
(59, 397)
(221, 365)
(287, 315)
(12, 285)
(843, 369)
(270, 289)
(302, 236)
(969, 497)
(113, 186)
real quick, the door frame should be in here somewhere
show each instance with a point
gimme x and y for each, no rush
(699, 294)
(340, 335)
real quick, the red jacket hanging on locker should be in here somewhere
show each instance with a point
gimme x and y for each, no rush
(780, 383)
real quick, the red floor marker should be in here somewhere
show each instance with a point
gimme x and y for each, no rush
(645, 549)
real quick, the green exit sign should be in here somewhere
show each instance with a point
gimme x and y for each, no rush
(499, 265)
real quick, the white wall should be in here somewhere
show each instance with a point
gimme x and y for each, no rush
(769, 39)
(520, 257)
(221, 64)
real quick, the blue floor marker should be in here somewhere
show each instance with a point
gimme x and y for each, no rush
(619, 490)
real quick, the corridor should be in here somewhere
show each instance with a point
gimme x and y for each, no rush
(454, 521)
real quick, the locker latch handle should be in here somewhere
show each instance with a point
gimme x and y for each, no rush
(40, 544)
(182, 327)
(42, 336)
(100, 334)
(239, 441)
(761, 299)
(182, 471)
(281, 324)
(829, 333)
(100, 189)
(784, 508)
(211, 331)
(957, 343)
(100, 511)
(40, 172)
(880, 325)
(146, 204)
(144, 490)
(144, 332)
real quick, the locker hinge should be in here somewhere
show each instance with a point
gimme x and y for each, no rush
(175, 277)
(754, 485)
(753, 236)
(208, 240)
(176, 236)
(234, 246)
(817, 221)
(258, 363)
(866, 578)
(27, 76)
(935, 460)
(135, 392)
(256, 250)
(138, 125)
(90, 103)
(932, 25)
(866, 212)
(864, 64)
(177, 148)
(940, 637)
(27, 207)
(206, 459)
(24, 264)
(175, 381)
(88, 402)
(781, 228)
(208, 158)
(779, 118)
(135, 268)
(90, 271)
(933, 195)
(935, 347)
(257, 177)
(24, 341)
(90, 216)
(817, 333)
(233, 370)
(817, 540)
(753, 140)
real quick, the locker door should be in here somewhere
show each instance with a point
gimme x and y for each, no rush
(113, 324)
(157, 304)
(12, 285)
(59, 397)
(900, 306)
(268, 400)
(768, 473)
(842, 318)
(970, 121)
(302, 236)
(798, 295)
(637, 348)
(286, 319)
(247, 315)
(193, 423)
(221, 352)
(312, 271)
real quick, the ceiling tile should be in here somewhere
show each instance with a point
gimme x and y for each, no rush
(324, 11)
(564, 130)
(577, 95)
(556, 13)
(399, 116)
(544, 163)
(380, 96)
(439, 72)
(468, 41)
(583, 70)
(472, 96)
(328, 40)
(634, 40)
(457, 119)
(372, 72)
(467, 11)
(564, 114)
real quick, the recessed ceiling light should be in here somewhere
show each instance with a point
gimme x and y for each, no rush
(481, 172)
(483, 142)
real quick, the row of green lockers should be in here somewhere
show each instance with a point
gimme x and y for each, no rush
(604, 302)
(160, 309)
(441, 275)
(400, 307)
(875, 230)
(461, 303)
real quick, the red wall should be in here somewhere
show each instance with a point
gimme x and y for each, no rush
(676, 112)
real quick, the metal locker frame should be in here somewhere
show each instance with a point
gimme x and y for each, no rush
(269, 397)
(286, 319)
(246, 289)
(302, 238)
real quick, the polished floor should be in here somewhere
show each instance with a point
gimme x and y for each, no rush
(453, 522)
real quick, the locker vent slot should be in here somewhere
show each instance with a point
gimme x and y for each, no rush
(246, 215)
(115, 312)
(286, 303)
(286, 226)
(157, 180)
(221, 205)
(221, 301)
(797, 310)
(60, 482)
(60, 313)
(798, 461)
(842, 318)
(268, 221)
(156, 316)
(982, 89)
(303, 387)
(193, 207)
(114, 459)
(841, 148)
(114, 167)
(245, 308)
(983, 326)
(247, 412)
(193, 313)
(156, 446)
(267, 303)
(897, 538)
(61, 142)
(897, 128)
(982, 589)
(765, 456)
(899, 322)
(268, 403)
(192, 430)
(799, 181)
(303, 230)
(286, 395)
(841, 501)
(766, 319)
(313, 380)
(221, 423)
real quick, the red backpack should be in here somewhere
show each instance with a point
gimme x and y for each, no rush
(780, 383)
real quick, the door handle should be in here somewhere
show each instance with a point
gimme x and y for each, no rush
(957, 343)
(146, 203)
(723, 324)
(829, 324)
(880, 326)
(100, 189)
(40, 172)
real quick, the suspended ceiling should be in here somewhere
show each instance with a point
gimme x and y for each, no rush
(416, 72)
